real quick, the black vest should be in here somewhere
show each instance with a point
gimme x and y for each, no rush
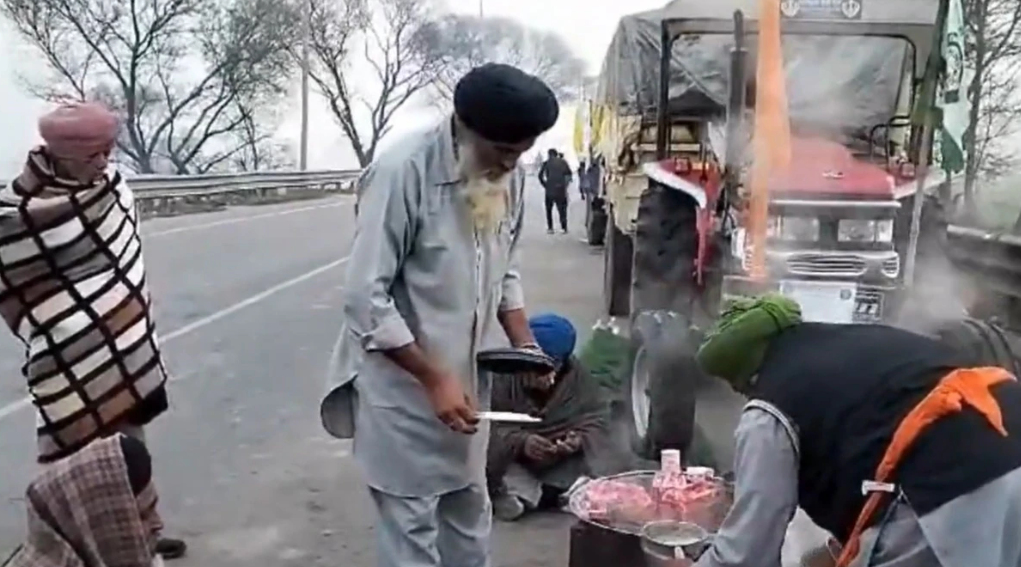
(846, 388)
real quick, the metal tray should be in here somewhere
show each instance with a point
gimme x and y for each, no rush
(514, 361)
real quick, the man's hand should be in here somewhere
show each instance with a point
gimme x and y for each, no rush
(570, 444)
(451, 405)
(539, 449)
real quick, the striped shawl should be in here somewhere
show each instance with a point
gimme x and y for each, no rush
(73, 289)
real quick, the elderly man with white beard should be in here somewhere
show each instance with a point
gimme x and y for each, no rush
(432, 280)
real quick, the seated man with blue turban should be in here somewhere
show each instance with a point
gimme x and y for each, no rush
(532, 463)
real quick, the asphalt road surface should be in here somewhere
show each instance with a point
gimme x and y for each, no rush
(248, 306)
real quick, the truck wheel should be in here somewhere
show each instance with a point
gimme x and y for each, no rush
(660, 386)
(982, 343)
(666, 246)
(616, 271)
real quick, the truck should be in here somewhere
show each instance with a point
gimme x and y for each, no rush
(671, 120)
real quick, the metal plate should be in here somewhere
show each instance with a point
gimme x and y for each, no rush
(821, 9)
(514, 361)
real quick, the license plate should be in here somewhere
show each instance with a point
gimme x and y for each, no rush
(868, 307)
(823, 302)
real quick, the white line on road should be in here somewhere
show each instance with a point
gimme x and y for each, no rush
(14, 407)
(180, 229)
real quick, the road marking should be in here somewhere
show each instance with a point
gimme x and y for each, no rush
(236, 220)
(18, 405)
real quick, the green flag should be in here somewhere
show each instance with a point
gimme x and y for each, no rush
(926, 97)
(953, 96)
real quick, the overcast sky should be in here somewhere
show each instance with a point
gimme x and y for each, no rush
(587, 25)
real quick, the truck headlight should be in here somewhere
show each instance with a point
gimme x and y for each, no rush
(859, 230)
(801, 229)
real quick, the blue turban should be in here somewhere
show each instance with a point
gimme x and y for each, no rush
(556, 335)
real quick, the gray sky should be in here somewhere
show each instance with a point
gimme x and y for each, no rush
(587, 25)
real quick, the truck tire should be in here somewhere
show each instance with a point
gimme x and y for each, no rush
(616, 271)
(982, 343)
(660, 386)
(666, 246)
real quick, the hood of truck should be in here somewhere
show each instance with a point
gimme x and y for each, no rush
(822, 169)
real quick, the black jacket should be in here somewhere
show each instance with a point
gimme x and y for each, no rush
(555, 175)
(846, 389)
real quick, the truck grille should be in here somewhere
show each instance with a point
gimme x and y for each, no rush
(842, 265)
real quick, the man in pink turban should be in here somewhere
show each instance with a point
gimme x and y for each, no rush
(79, 138)
(73, 290)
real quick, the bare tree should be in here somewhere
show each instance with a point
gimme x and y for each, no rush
(994, 51)
(182, 73)
(457, 43)
(259, 149)
(388, 33)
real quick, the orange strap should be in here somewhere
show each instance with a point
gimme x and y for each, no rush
(964, 386)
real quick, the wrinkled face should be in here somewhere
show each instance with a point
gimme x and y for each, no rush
(83, 169)
(540, 383)
(151, 520)
(494, 160)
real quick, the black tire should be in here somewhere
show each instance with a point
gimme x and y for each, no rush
(663, 367)
(666, 246)
(981, 343)
(616, 271)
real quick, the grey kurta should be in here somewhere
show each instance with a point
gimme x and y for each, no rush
(978, 528)
(419, 272)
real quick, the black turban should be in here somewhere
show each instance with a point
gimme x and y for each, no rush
(504, 104)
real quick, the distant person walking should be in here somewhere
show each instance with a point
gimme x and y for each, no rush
(594, 177)
(555, 176)
(583, 180)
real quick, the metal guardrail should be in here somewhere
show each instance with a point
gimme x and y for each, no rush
(184, 185)
(991, 259)
(157, 186)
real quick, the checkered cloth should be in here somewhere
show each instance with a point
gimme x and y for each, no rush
(72, 288)
(82, 513)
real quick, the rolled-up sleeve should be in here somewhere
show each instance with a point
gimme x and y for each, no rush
(513, 293)
(382, 239)
(765, 494)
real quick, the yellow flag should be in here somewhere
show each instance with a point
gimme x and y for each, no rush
(595, 124)
(771, 141)
(579, 130)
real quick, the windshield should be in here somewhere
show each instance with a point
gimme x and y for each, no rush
(835, 84)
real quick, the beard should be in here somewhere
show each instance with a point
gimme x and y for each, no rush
(487, 197)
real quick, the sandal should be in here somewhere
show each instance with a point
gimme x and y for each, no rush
(170, 548)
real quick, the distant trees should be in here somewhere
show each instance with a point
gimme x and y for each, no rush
(389, 35)
(411, 51)
(994, 52)
(199, 83)
(457, 43)
(189, 77)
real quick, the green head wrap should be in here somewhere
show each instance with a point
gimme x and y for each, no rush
(735, 348)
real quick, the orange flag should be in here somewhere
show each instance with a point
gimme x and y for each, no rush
(771, 141)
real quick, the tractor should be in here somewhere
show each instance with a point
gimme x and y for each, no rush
(672, 121)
